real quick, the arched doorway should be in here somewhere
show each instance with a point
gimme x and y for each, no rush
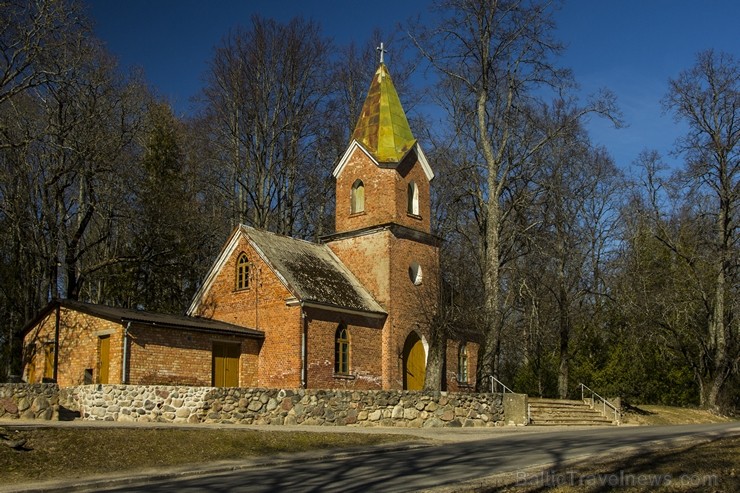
(414, 362)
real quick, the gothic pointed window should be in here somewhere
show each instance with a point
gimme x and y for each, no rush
(415, 273)
(462, 367)
(341, 351)
(242, 272)
(357, 199)
(413, 199)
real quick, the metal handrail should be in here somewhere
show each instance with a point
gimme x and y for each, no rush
(605, 403)
(496, 380)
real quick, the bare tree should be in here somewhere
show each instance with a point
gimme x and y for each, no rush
(707, 98)
(577, 219)
(68, 118)
(492, 56)
(92, 116)
(32, 35)
(263, 99)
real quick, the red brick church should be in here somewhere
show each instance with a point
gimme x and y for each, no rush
(350, 312)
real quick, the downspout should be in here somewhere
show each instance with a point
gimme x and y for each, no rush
(56, 343)
(303, 347)
(124, 363)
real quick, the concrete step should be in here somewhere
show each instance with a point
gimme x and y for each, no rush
(569, 423)
(557, 412)
(574, 415)
(545, 400)
(569, 417)
(555, 403)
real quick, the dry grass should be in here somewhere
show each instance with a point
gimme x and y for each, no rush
(666, 415)
(700, 466)
(68, 453)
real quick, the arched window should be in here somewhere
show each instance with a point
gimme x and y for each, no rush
(415, 273)
(357, 199)
(413, 199)
(242, 272)
(462, 364)
(341, 351)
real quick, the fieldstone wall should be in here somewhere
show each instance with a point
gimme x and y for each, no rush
(29, 401)
(159, 403)
(181, 404)
(289, 406)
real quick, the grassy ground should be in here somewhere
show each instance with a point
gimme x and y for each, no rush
(701, 466)
(712, 466)
(68, 453)
(666, 415)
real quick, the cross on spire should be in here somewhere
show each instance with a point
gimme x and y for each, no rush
(381, 50)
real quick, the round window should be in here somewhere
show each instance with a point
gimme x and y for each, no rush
(415, 273)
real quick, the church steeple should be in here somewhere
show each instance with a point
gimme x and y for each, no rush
(383, 227)
(383, 128)
(383, 177)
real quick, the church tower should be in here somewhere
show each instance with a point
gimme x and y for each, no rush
(383, 230)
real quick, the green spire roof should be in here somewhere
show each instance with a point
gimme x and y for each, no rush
(382, 127)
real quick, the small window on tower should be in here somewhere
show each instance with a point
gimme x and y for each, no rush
(357, 199)
(413, 199)
(462, 364)
(242, 272)
(415, 273)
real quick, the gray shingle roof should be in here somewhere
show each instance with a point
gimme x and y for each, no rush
(124, 315)
(313, 273)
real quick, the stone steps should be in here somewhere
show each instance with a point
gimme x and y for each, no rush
(562, 412)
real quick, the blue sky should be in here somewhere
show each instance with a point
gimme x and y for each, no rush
(629, 46)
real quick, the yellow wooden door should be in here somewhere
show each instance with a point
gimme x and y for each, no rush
(414, 362)
(103, 358)
(49, 361)
(31, 370)
(225, 364)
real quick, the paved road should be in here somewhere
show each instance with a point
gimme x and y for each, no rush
(428, 467)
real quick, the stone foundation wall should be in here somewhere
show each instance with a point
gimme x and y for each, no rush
(180, 404)
(29, 401)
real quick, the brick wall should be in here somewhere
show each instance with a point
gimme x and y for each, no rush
(261, 306)
(173, 357)
(364, 351)
(412, 306)
(78, 347)
(453, 353)
(157, 355)
(386, 192)
(368, 258)
(381, 261)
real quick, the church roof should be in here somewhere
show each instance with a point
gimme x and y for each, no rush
(312, 273)
(383, 128)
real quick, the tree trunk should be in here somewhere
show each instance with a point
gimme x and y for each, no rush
(487, 360)
(564, 332)
(435, 361)
(718, 336)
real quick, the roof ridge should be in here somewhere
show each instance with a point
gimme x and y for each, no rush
(280, 235)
